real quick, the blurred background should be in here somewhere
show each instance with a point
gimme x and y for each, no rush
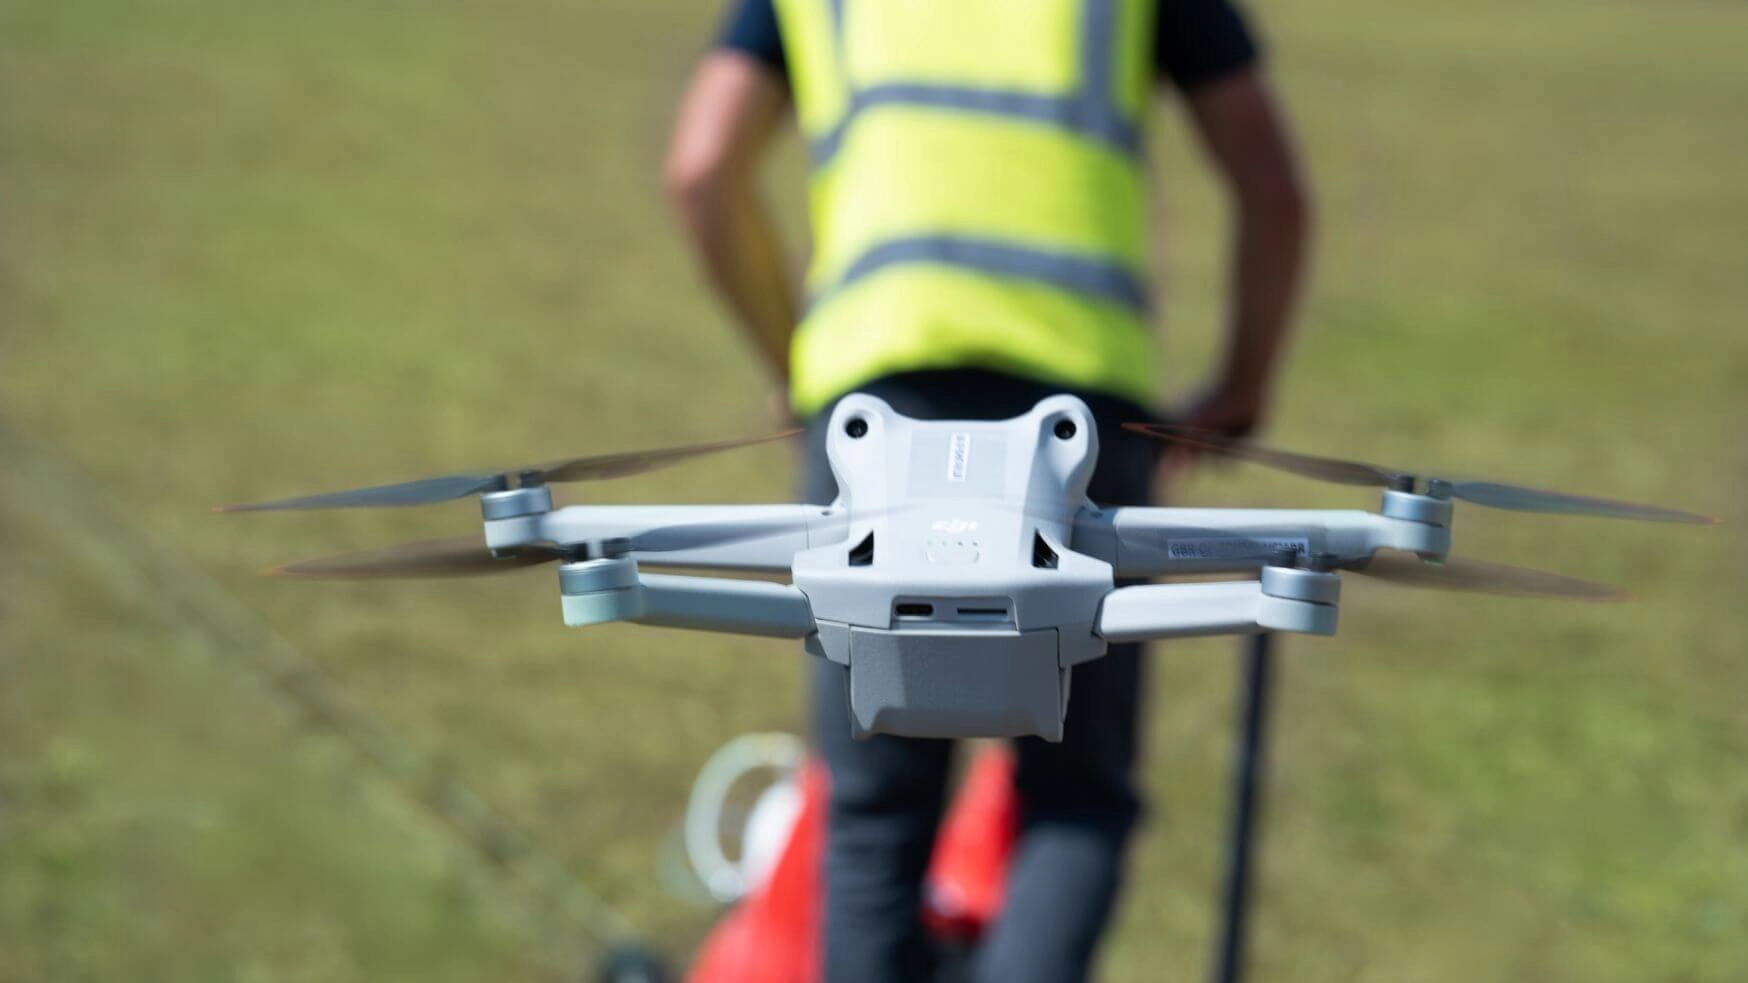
(253, 249)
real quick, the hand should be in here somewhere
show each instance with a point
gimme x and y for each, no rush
(1227, 409)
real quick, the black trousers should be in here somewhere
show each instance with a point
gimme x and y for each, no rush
(1078, 797)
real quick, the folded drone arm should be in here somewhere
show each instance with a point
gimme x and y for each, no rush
(1290, 602)
(1149, 611)
(1151, 542)
(741, 607)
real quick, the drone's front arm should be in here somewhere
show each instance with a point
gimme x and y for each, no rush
(741, 607)
(1282, 600)
(599, 591)
(1152, 542)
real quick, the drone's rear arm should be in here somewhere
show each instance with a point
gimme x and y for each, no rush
(741, 607)
(1283, 600)
(613, 589)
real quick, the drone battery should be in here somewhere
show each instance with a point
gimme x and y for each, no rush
(956, 683)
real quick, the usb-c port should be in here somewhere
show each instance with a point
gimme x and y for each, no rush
(915, 610)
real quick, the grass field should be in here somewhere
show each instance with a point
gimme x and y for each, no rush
(249, 249)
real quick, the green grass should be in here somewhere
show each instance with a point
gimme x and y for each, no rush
(249, 249)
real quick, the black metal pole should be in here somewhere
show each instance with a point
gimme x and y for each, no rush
(1248, 767)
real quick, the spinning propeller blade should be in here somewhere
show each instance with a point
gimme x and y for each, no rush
(1478, 576)
(1517, 498)
(462, 556)
(427, 491)
(1491, 494)
(603, 466)
(467, 556)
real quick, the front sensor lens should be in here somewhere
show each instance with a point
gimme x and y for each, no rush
(856, 428)
(1065, 429)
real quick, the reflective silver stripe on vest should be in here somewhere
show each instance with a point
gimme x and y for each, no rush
(1090, 112)
(1098, 52)
(1072, 113)
(1080, 274)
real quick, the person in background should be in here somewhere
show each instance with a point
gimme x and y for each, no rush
(977, 203)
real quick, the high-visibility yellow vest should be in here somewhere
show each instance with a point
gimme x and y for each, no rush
(977, 193)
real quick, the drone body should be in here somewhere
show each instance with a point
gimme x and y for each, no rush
(959, 608)
(962, 573)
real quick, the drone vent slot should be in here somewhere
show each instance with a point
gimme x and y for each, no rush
(1043, 556)
(862, 555)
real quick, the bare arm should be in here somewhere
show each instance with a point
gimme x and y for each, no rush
(730, 112)
(1247, 139)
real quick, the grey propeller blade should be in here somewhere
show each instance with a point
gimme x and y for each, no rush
(425, 491)
(1492, 494)
(1305, 465)
(1478, 576)
(1520, 499)
(429, 491)
(603, 466)
(462, 556)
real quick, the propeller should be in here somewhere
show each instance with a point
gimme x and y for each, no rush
(1492, 494)
(460, 556)
(427, 491)
(1478, 576)
(467, 556)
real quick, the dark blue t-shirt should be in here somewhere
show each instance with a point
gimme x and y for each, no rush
(1194, 41)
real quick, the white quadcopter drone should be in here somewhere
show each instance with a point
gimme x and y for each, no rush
(962, 573)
